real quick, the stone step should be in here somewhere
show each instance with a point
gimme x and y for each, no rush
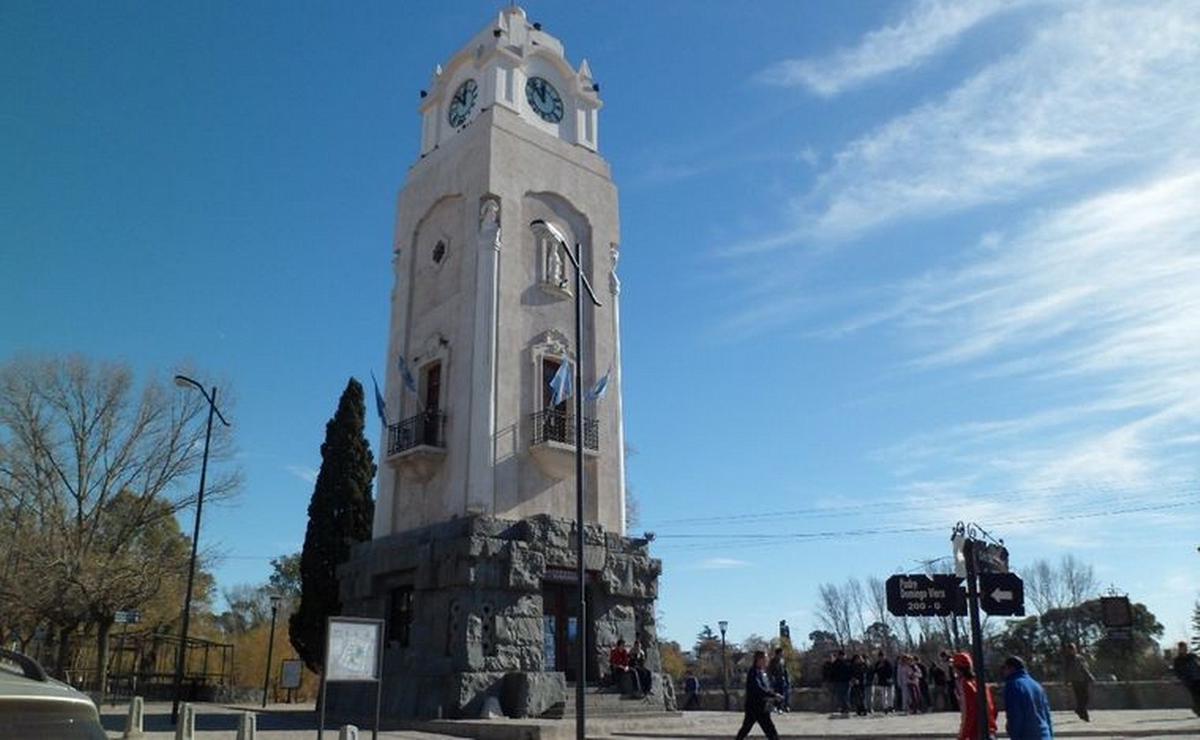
(602, 703)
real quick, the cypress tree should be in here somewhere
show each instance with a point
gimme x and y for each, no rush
(1196, 626)
(339, 515)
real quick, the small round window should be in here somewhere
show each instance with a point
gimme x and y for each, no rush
(439, 252)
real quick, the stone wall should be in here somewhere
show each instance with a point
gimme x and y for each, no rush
(477, 614)
(1105, 695)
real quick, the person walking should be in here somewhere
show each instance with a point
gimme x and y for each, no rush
(780, 680)
(1077, 673)
(968, 726)
(1187, 668)
(691, 688)
(881, 689)
(1026, 707)
(758, 699)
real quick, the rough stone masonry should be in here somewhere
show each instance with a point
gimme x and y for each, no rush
(465, 611)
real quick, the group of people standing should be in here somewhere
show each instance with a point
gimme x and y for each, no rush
(883, 686)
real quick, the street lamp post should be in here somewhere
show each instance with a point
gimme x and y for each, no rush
(724, 672)
(184, 381)
(581, 282)
(275, 599)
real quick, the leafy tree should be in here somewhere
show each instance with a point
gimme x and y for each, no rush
(339, 515)
(93, 471)
(1041, 639)
(673, 662)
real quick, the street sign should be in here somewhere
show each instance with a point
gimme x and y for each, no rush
(1116, 612)
(925, 596)
(130, 616)
(991, 558)
(1002, 594)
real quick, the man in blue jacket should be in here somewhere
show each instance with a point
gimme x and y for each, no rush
(758, 699)
(1026, 707)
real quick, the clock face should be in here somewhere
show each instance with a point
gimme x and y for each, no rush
(544, 99)
(462, 103)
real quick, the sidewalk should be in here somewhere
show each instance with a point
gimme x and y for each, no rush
(298, 722)
(1150, 723)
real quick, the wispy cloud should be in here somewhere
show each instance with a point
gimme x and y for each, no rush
(722, 564)
(303, 472)
(928, 28)
(1082, 141)
(1095, 87)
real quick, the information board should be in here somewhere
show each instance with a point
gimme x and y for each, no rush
(290, 673)
(353, 648)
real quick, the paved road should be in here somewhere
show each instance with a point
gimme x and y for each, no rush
(293, 722)
(1165, 723)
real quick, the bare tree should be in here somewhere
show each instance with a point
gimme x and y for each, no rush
(91, 469)
(833, 611)
(1070, 584)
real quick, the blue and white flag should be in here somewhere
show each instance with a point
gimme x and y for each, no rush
(562, 384)
(600, 388)
(406, 375)
(380, 404)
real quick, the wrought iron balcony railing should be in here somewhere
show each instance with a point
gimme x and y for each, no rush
(426, 429)
(554, 425)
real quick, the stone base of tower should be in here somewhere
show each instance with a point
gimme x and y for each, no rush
(482, 607)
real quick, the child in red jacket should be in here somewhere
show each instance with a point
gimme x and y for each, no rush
(969, 690)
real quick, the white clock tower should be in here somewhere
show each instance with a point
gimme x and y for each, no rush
(472, 564)
(482, 310)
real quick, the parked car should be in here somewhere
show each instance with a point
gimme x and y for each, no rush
(34, 706)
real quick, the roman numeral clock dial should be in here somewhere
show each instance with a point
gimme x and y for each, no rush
(462, 103)
(544, 99)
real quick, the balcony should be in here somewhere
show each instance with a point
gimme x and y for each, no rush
(553, 442)
(417, 445)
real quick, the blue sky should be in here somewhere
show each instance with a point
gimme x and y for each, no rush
(884, 265)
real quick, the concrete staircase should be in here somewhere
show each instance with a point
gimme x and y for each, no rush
(607, 703)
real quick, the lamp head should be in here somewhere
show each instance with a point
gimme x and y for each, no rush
(275, 599)
(182, 381)
(722, 625)
(545, 228)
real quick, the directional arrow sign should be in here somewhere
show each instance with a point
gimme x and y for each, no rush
(925, 596)
(1002, 594)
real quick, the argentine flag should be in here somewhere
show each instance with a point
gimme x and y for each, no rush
(562, 384)
(380, 404)
(406, 374)
(597, 392)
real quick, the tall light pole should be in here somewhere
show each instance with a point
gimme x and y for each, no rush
(275, 599)
(541, 227)
(184, 381)
(723, 625)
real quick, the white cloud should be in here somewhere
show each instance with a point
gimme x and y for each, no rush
(303, 472)
(928, 28)
(1098, 86)
(722, 564)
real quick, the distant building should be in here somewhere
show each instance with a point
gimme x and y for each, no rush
(472, 561)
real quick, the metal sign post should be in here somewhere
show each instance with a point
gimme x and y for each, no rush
(353, 654)
(976, 637)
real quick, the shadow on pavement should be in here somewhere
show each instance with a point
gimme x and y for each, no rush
(224, 720)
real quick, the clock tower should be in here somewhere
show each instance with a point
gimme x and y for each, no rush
(472, 564)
